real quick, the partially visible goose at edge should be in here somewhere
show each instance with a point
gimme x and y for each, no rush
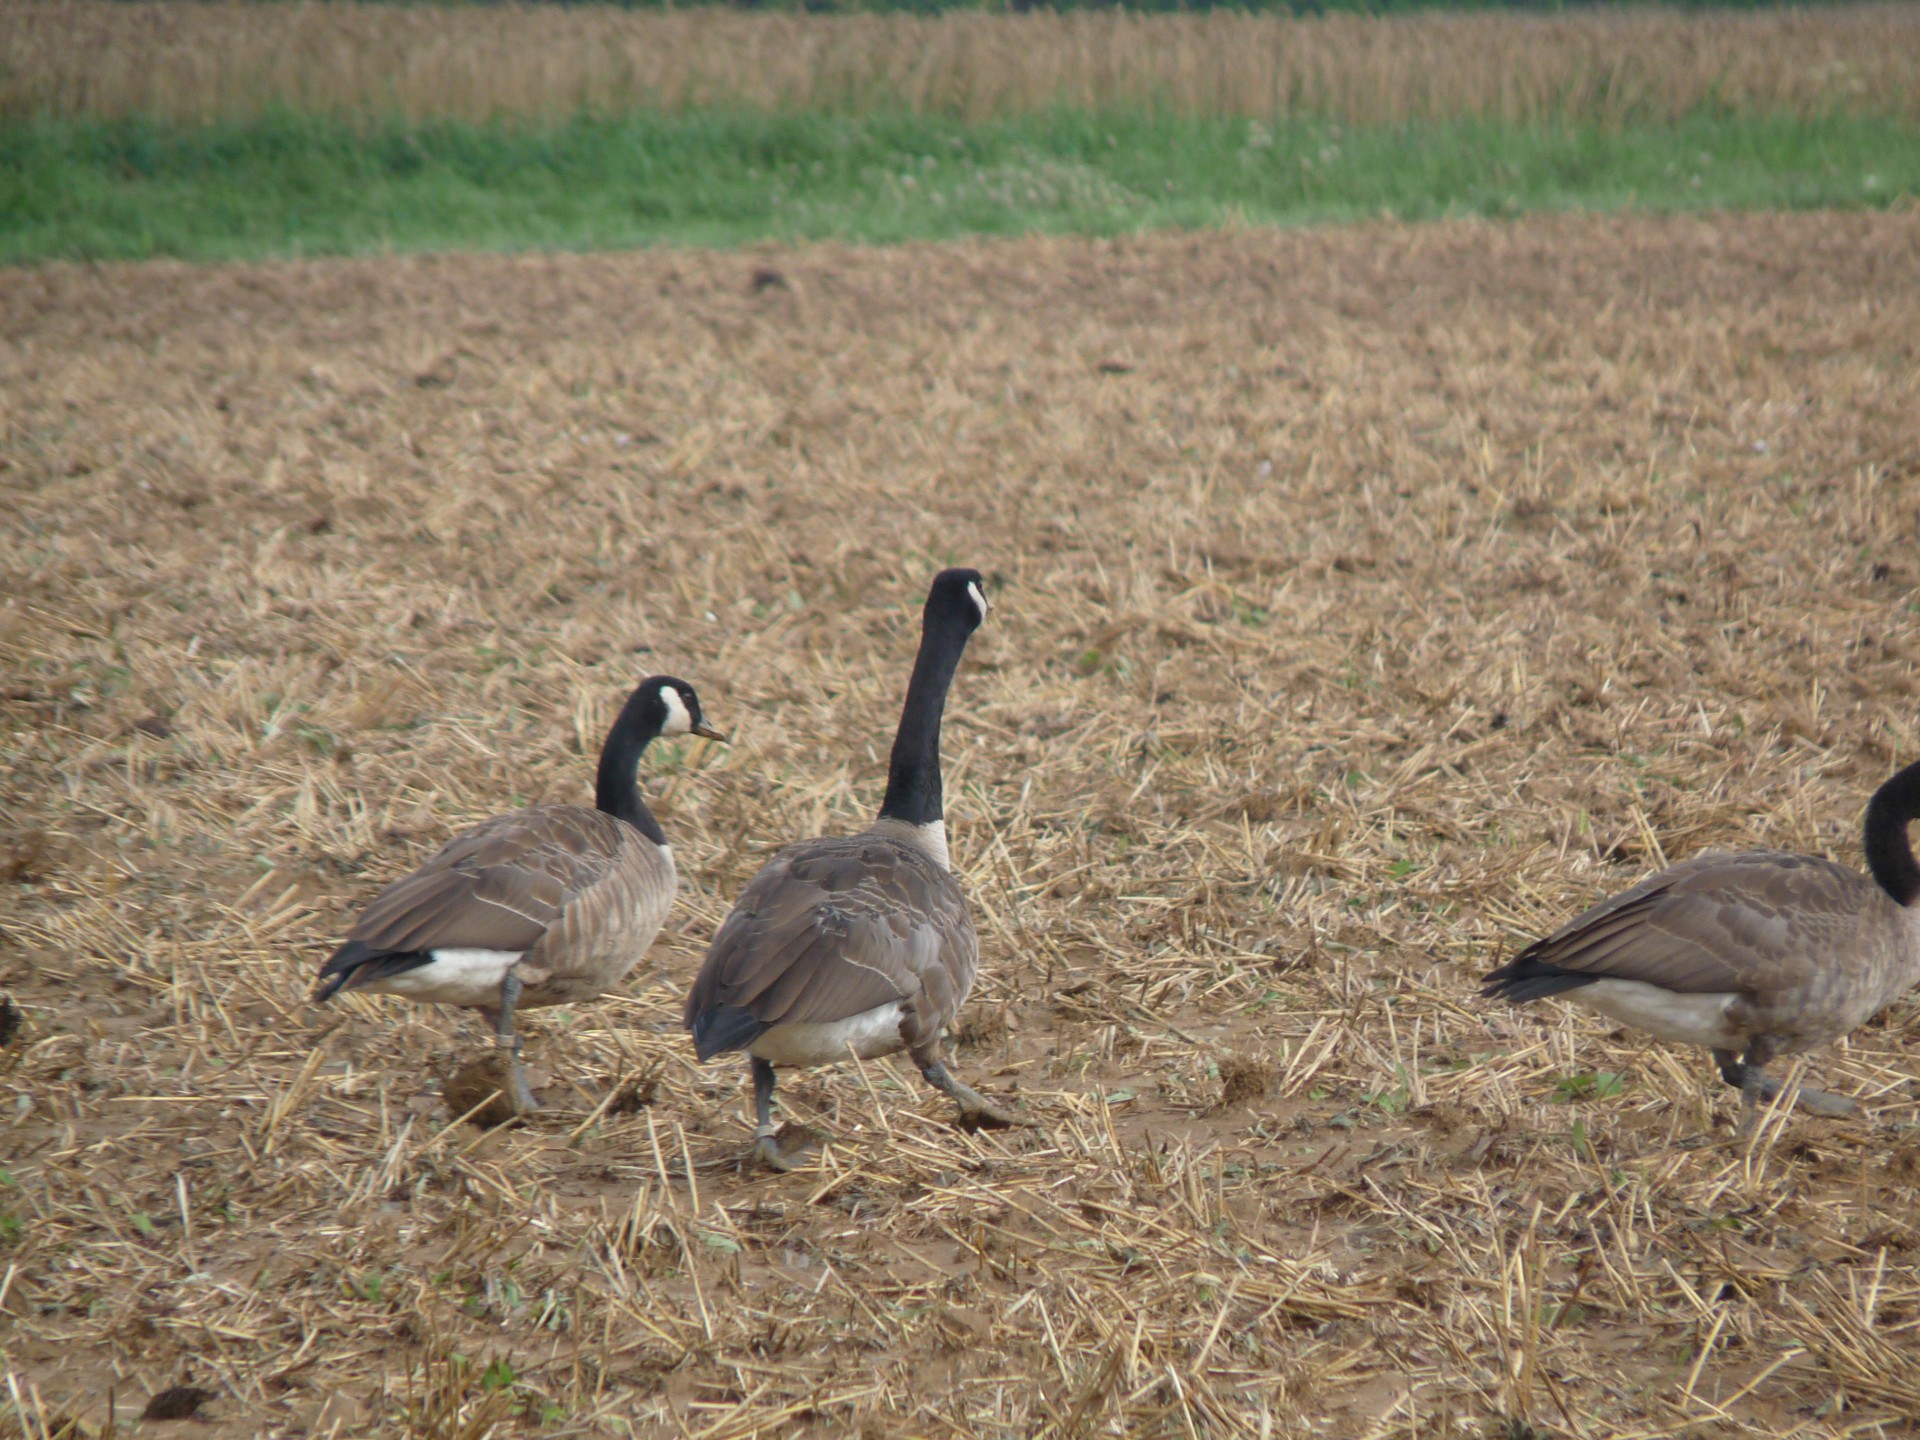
(550, 905)
(1754, 956)
(862, 942)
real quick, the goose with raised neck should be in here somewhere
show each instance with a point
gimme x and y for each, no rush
(858, 944)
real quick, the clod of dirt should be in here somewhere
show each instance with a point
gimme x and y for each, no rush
(23, 854)
(1243, 1080)
(765, 277)
(981, 1026)
(1530, 512)
(793, 1138)
(472, 1084)
(440, 374)
(158, 726)
(11, 1019)
(962, 1327)
(1262, 806)
(179, 1402)
(634, 1096)
(1904, 1163)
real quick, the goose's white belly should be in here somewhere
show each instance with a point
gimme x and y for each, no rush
(870, 1033)
(452, 977)
(1663, 1014)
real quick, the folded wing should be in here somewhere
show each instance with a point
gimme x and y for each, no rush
(1717, 924)
(831, 929)
(499, 886)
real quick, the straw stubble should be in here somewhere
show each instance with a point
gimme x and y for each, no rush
(1365, 603)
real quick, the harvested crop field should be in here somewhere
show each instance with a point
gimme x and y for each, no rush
(1366, 601)
(228, 59)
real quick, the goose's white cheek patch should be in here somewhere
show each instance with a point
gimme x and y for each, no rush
(979, 600)
(678, 721)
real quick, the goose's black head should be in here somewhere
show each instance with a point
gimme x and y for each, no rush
(666, 706)
(958, 597)
(661, 706)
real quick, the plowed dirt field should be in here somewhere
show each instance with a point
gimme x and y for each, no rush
(1366, 601)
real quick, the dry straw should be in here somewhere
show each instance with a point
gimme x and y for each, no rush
(198, 61)
(1365, 602)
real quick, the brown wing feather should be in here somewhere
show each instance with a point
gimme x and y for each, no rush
(498, 886)
(831, 928)
(1716, 924)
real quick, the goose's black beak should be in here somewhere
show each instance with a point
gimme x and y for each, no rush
(707, 732)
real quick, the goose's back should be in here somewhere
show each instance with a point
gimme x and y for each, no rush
(837, 927)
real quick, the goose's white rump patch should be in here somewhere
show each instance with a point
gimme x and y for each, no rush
(872, 1032)
(1663, 1014)
(453, 977)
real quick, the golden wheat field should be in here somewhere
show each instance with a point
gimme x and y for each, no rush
(187, 60)
(1366, 601)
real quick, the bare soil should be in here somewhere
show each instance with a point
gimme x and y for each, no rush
(1365, 602)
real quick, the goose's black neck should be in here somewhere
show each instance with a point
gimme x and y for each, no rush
(616, 789)
(913, 773)
(1889, 854)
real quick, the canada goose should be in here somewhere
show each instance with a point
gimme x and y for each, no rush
(858, 942)
(546, 906)
(1753, 956)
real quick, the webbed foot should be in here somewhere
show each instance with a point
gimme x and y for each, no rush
(1758, 1088)
(976, 1111)
(784, 1149)
(1825, 1102)
(515, 1091)
(1819, 1102)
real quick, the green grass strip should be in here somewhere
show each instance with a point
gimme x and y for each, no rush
(294, 185)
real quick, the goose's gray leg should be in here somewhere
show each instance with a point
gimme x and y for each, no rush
(766, 1142)
(506, 1049)
(976, 1111)
(1749, 1077)
(1735, 1074)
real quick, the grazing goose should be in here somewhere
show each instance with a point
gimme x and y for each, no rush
(1753, 956)
(547, 906)
(858, 942)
